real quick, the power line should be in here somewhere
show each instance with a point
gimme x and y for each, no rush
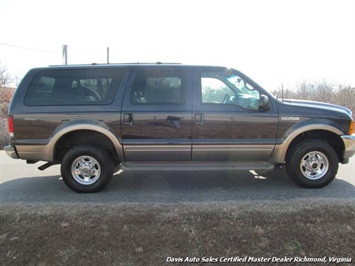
(27, 48)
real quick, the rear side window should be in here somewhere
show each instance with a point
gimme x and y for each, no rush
(74, 87)
(158, 87)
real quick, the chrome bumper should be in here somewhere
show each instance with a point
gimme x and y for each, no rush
(349, 143)
(11, 152)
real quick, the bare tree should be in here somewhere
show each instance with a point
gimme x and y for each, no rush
(323, 92)
(305, 91)
(345, 96)
(6, 78)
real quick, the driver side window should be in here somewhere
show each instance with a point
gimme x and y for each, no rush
(228, 88)
(214, 90)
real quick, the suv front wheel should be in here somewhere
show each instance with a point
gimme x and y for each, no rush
(87, 168)
(312, 163)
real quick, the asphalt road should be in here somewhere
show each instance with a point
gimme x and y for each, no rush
(20, 182)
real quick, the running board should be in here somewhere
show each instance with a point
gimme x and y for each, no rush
(196, 166)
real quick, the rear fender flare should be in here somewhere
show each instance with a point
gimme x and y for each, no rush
(83, 125)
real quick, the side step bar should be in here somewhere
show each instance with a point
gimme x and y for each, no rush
(45, 166)
(196, 166)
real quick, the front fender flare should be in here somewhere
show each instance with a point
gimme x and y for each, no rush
(279, 154)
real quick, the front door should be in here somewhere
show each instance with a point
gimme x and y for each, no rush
(157, 115)
(228, 124)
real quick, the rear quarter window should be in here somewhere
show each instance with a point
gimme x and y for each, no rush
(153, 87)
(74, 87)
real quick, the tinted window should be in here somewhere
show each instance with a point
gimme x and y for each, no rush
(74, 87)
(158, 87)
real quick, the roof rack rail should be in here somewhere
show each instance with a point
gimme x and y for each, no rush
(132, 63)
(167, 63)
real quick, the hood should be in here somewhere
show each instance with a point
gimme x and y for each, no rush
(319, 105)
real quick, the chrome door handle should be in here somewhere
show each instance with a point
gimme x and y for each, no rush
(199, 119)
(128, 119)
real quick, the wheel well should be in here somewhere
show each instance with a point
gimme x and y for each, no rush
(80, 137)
(331, 138)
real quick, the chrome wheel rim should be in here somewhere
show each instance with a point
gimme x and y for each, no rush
(314, 165)
(86, 170)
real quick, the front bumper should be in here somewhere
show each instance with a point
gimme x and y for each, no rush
(11, 152)
(349, 144)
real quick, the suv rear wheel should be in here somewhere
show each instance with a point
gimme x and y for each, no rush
(87, 168)
(312, 163)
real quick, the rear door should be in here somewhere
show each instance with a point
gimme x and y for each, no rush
(157, 114)
(228, 125)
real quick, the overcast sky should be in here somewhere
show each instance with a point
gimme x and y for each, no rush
(273, 41)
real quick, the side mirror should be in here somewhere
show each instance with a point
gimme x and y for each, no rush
(264, 103)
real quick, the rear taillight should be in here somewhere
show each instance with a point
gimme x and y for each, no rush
(11, 126)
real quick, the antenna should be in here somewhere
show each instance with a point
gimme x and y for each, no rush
(108, 55)
(282, 91)
(65, 54)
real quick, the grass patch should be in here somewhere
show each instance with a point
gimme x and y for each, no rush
(132, 234)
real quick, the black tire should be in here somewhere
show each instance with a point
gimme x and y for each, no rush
(312, 163)
(87, 168)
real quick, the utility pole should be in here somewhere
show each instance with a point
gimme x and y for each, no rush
(65, 54)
